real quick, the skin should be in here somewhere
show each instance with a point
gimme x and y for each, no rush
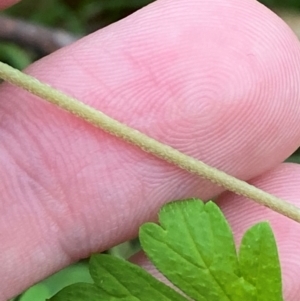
(4, 4)
(184, 73)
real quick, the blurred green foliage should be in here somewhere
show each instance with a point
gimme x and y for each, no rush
(77, 16)
(15, 55)
(291, 4)
(81, 17)
(75, 273)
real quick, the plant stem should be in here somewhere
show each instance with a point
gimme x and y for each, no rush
(146, 143)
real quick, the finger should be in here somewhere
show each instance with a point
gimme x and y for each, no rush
(241, 213)
(221, 93)
(7, 3)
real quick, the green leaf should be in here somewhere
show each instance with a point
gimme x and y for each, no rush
(37, 292)
(259, 262)
(194, 248)
(79, 292)
(116, 279)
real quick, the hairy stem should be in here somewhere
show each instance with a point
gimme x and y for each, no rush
(146, 143)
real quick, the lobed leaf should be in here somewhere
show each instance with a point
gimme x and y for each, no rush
(194, 248)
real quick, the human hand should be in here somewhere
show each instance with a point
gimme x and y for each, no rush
(216, 80)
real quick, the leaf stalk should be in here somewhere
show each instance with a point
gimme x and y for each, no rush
(146, 143)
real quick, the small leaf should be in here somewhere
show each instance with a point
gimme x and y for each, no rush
(79, 292)
(259, 262)
(116, 279)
